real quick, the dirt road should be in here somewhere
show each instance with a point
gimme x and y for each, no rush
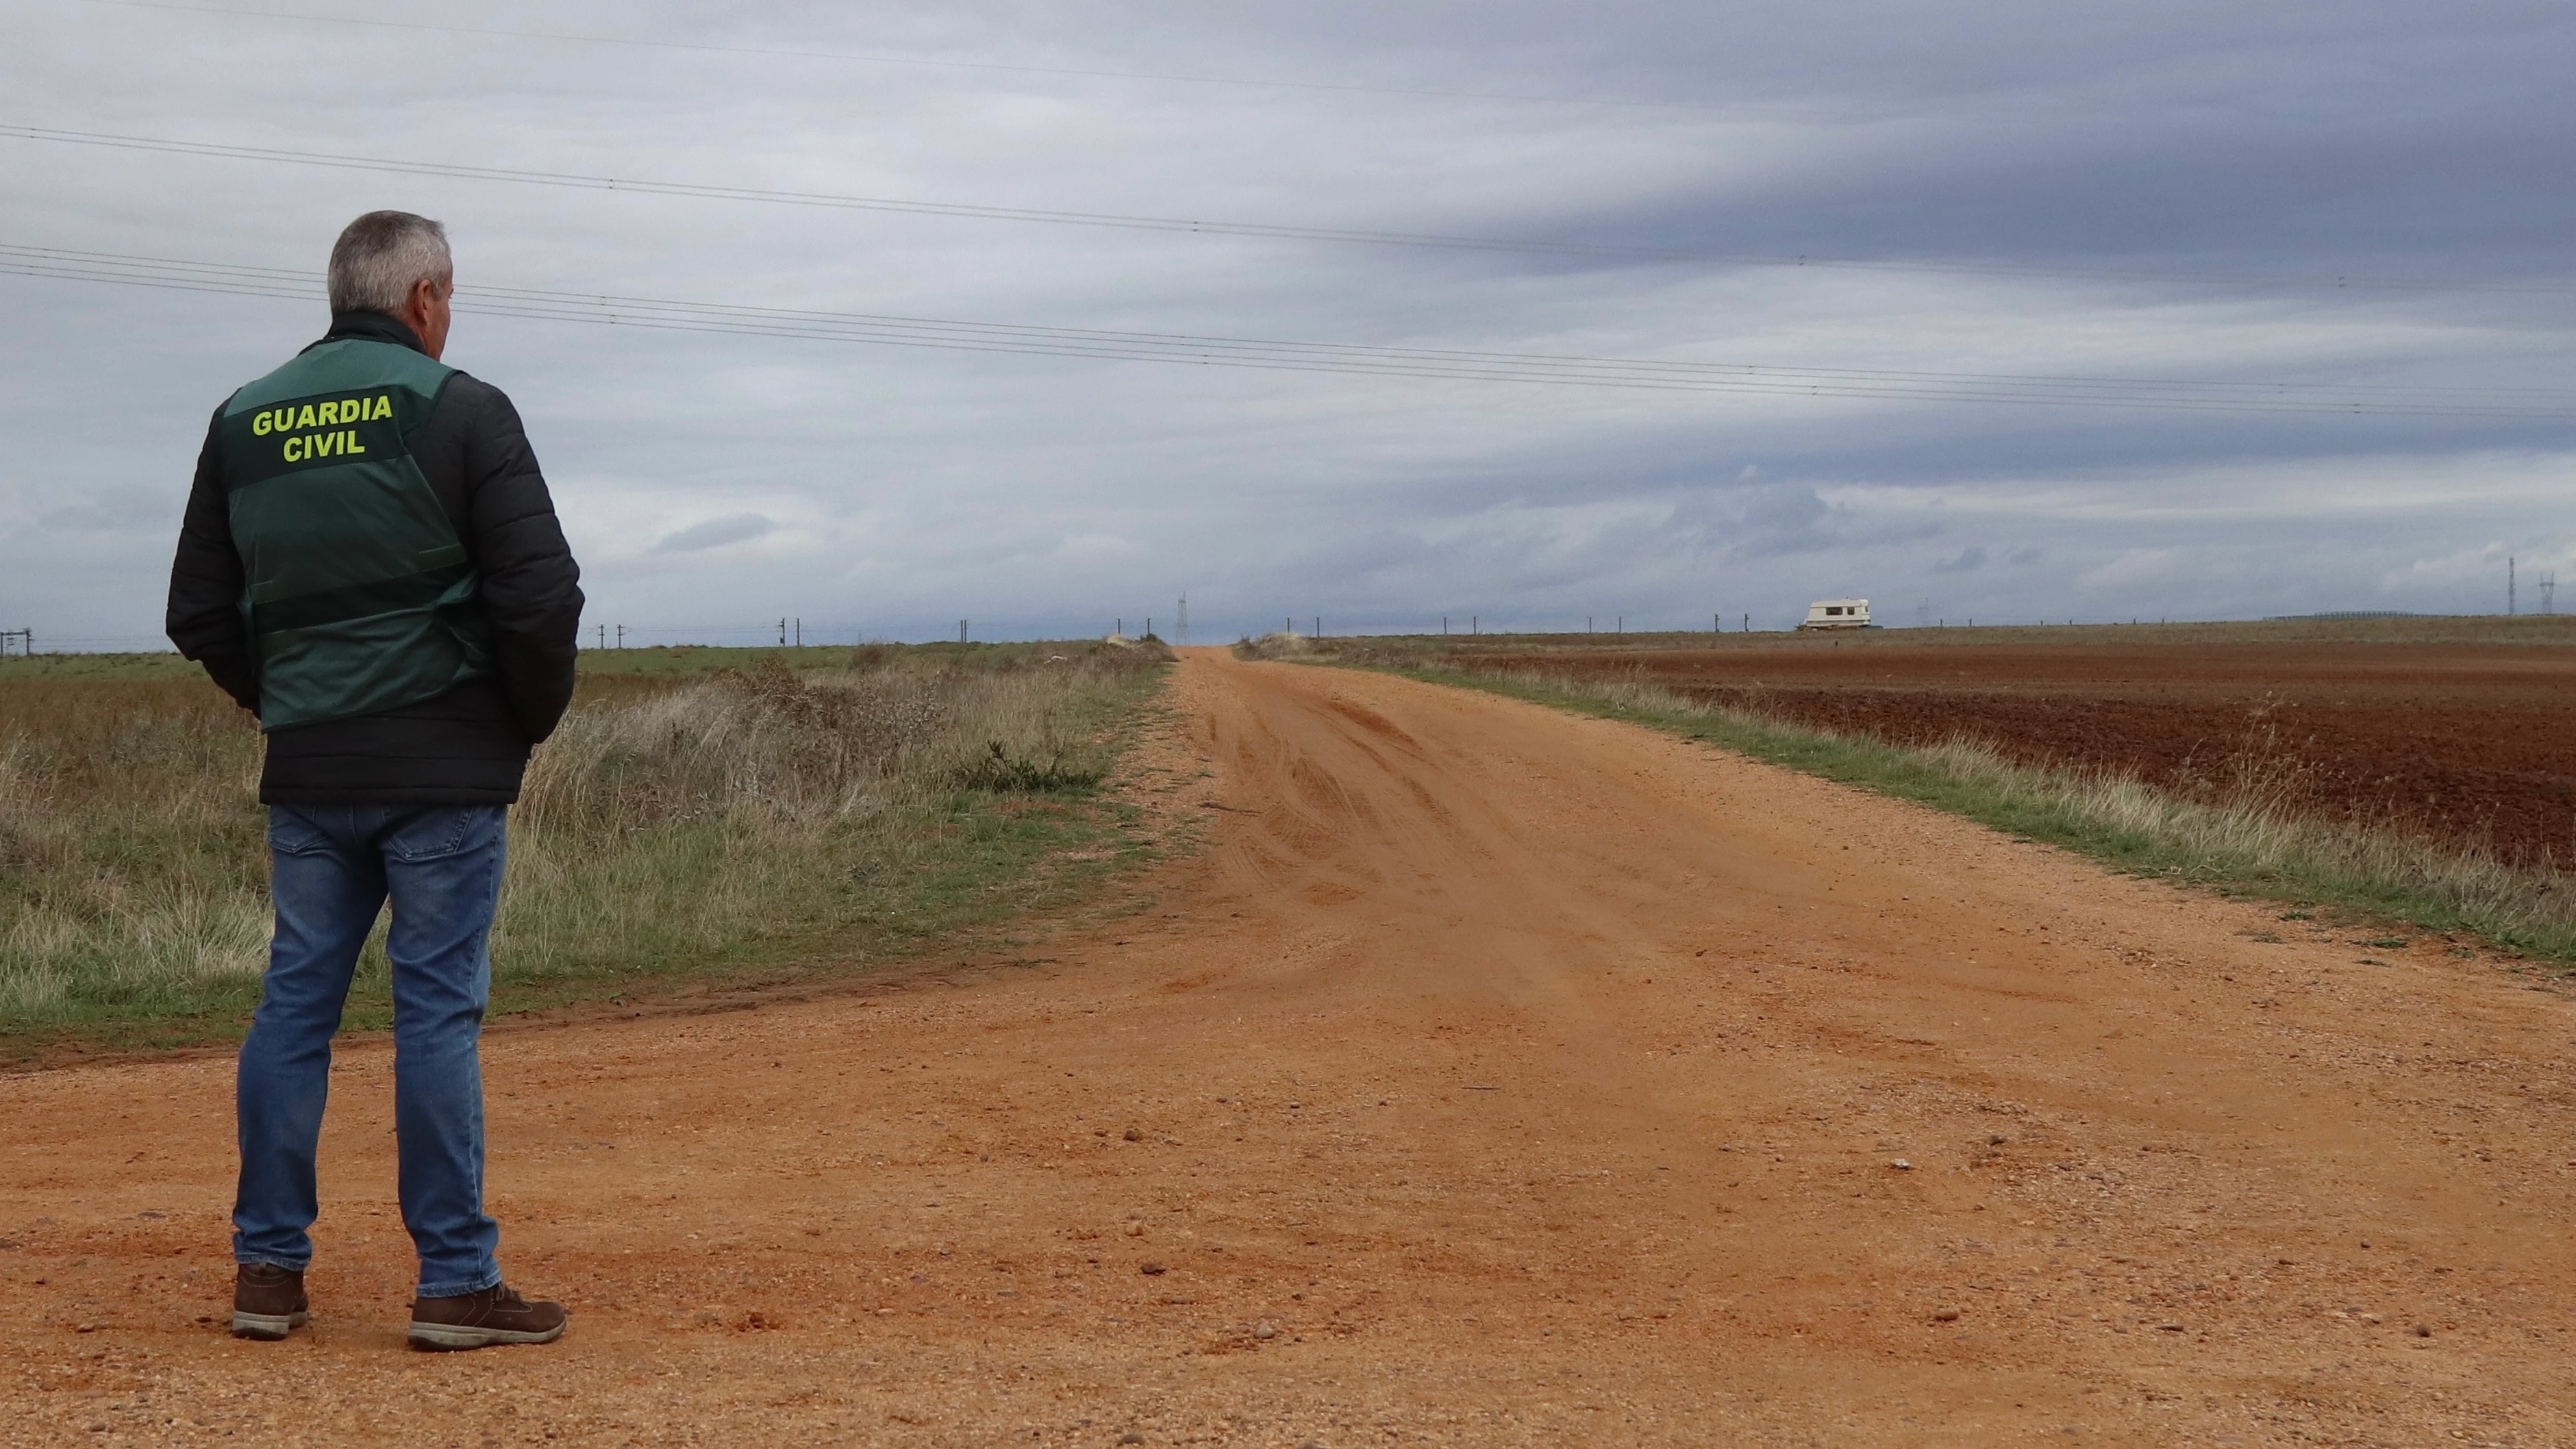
(1493, 1077)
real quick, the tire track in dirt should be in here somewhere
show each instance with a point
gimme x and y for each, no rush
(1494, 1076)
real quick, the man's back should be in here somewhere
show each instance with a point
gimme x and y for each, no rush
(467, 742)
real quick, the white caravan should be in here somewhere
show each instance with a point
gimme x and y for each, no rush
(1837, 614)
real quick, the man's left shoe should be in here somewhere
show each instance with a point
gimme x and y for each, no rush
(268, 1301)
(480, 1320)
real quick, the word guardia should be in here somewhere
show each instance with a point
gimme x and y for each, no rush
(308, 446)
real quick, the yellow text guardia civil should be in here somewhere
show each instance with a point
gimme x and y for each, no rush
(296, 418)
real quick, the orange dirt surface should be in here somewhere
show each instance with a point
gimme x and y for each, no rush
(1493, 1076)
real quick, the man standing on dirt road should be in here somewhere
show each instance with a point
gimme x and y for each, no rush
(371, 563)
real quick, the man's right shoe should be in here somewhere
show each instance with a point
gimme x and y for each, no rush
(268, 1301)
(480, 1320)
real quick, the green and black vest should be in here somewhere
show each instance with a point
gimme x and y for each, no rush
(356, 589)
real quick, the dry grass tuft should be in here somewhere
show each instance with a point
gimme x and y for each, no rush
(129, 843)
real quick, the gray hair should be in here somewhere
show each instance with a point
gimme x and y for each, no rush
(382, 256)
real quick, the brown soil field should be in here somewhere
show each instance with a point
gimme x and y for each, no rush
(2466, 743)
(1492, 1076)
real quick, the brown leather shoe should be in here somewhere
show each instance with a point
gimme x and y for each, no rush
(480, 1320)
(268, 1301)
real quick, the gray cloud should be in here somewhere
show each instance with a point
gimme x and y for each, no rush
(1757, 520)
(717, 532)
(2228, 163)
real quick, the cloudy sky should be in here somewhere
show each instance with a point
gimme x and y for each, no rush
(2338, 231)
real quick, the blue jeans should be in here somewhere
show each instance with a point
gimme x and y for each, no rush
(333, 867)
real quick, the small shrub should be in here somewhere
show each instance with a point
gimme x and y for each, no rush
(1274, 646)
(1003, 773)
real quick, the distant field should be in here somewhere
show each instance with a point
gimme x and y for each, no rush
(67, 667)
(2462, 730)
(667, 661)
(2524, 629)
(701, 812)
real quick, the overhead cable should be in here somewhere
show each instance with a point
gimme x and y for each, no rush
(1265, 230)
(951, 334)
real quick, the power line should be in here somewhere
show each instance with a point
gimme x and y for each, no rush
(881, 58)
(950, 334)
(1263, 230)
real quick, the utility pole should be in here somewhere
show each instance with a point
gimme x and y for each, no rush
(1444, 626)
(603, 636)
(621, 636)
(2508, 585)
(2549, 592)
(1319, 626)
(782, 631)
(961, 631)
(800, 633)
(1183, 627)
(1474, 625)
(1622, 626)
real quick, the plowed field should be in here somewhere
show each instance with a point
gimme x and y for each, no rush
(1493, 1077)
(2464, 743)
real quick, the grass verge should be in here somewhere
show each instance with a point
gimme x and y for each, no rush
(2246, 842)
(697, 819)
